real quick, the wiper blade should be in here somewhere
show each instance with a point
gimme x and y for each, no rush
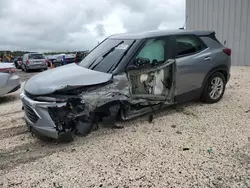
(124, 53)
(92, 63)
(112, 49)
(105, 54)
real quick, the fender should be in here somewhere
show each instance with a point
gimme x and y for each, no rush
(195, 94)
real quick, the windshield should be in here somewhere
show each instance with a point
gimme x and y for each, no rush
(36, 56)
(106, 55)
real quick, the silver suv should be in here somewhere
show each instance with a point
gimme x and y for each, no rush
(124, 77)
(33, 61)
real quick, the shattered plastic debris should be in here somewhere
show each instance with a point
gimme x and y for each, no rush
(209, 150)
(247, 111)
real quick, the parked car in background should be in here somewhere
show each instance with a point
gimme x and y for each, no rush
(58, 59)
(69, 58)
(124, 77)
(18, 62)
(32, 61)
(9, 81)
(51, 58)
(48, 62)
(79, 56)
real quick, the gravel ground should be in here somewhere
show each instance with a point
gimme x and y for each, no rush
(26, 75)
(191, 145)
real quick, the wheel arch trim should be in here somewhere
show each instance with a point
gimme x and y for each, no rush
(220, 68)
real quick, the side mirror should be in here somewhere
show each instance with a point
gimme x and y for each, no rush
(141, 61)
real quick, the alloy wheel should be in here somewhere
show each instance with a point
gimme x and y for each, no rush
(217, 86)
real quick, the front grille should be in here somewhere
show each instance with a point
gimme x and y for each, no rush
(52, 115)
(29, 112)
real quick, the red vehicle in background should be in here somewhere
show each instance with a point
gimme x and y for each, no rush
(18, 63)
(49, 63)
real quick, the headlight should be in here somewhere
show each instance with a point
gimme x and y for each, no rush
(50, 99)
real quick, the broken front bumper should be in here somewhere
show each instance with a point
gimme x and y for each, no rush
(38, 119)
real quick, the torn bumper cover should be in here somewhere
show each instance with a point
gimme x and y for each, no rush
(54, 119)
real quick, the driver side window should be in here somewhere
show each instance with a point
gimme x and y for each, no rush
(153, 50)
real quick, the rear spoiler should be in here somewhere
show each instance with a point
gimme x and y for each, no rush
(208, 33)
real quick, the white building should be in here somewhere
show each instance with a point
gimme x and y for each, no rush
(230, 19)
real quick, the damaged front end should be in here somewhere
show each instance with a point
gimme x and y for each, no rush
(72, 117)
(69, 113)
(70, 110)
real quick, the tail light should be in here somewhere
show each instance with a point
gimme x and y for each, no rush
(227, 51)
(27, 62)
(7, 70)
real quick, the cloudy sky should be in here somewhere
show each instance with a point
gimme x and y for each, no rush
(58, 25)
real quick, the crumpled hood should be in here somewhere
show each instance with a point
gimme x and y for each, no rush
(59, 78)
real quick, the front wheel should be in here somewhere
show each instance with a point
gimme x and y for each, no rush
(214, 88)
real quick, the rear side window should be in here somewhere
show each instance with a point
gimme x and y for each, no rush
(188, 45)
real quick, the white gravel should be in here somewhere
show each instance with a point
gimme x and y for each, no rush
(216, 138)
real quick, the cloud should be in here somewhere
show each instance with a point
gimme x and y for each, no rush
(100, 30)
(45, 25)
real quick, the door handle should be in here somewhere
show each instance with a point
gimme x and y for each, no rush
(207, 58)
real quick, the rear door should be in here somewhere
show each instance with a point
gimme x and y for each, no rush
(192, 60)
(151, 72)
(3, 78)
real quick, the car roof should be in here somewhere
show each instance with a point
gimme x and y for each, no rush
(159, 33)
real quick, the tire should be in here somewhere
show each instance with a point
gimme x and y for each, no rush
(218, 82)
(25, 68)
(41, 70)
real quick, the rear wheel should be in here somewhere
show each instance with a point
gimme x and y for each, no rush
(214, 88)
(25, 68)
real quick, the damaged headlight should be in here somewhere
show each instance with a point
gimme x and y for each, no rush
(66, 116)
(50, 99)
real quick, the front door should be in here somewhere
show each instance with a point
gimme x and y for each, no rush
(152, 75)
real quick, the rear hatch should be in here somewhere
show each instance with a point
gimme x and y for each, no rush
(35, 59)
